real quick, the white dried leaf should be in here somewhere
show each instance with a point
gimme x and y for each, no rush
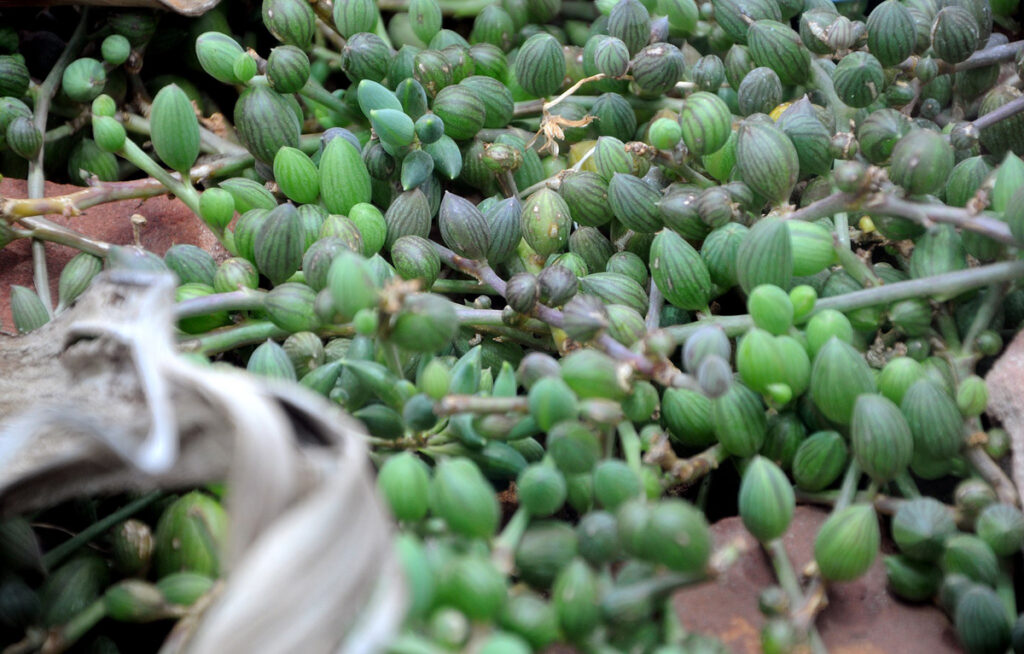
(98, 401)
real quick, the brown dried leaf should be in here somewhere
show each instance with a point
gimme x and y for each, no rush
(216, 123)
(551, 128)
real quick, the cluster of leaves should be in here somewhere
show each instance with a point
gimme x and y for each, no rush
(573, 260)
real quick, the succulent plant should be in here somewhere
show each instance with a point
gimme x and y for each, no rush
(563, 261)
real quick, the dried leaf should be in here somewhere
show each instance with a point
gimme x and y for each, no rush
(551, 128)
(99, 402)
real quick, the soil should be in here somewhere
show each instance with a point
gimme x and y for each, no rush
(862, 617)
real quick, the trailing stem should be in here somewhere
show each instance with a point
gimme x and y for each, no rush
(946, 284)
(36, 174)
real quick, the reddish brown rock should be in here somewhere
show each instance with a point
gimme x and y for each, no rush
(861, 618)
(168, 222)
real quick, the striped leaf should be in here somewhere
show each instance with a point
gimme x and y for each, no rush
(634, 203)
(767, 159)
(540, 65)
(706, 123)
(679, 272)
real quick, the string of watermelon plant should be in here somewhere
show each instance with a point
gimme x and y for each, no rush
(55, 556)
(67, 129)
(952, 283)
(424, 413)
(798, 598)
(72, 204)
(99, 192)
(656, 301)
(311, 90)
(497, 318)
(853, 264)
(677, 162)
(962, 360)
(927, 213)
(1011, 108)
(36, 175)
(962, 356)
(455, 8)
(250, 332)
(884, 202)
(822, 80)
(244, 299)
(990, 471)
(537, 338)
(555, 181)
(461, 287)
(453, 404)
(527, 108)
(29, 211)
(685, 471)
(947, 283)
(660, 370)
(53, 233)
(812, 599)
(180, 186)
(980, 59)
(966, 355)
(210, 142)
(884, 504)
(246, 332)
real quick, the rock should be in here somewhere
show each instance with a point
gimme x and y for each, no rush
(1004, 383)
(861, 618)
